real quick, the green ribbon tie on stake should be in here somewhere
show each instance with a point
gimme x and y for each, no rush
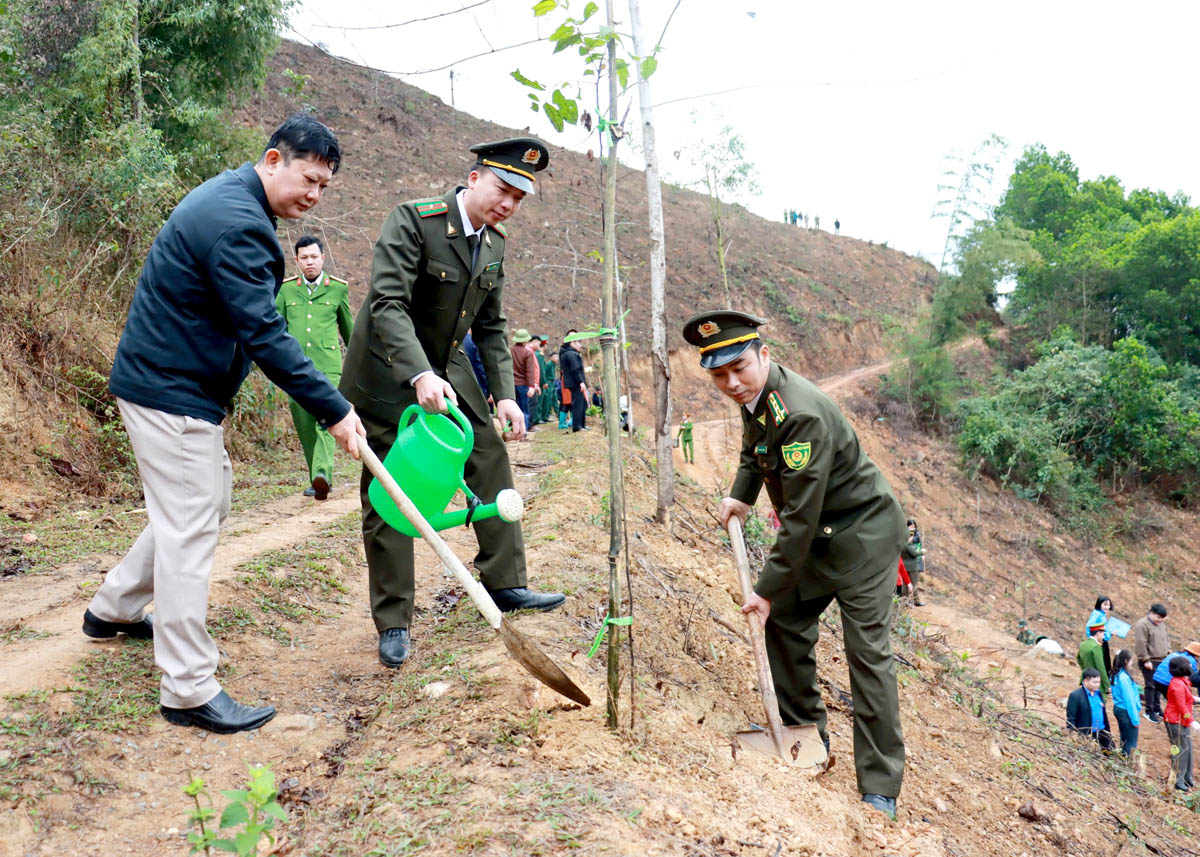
(593, 334)
(608, 620)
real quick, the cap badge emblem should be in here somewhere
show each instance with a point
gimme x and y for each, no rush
(531, 156)
(709, 328)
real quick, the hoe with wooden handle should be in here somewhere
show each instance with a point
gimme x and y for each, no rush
(525, 652)
(800, 746)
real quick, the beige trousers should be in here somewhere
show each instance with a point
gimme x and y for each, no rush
(187, 481)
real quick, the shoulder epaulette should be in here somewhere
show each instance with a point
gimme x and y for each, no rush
(291, 279)
(430, 207)
(499, 227)
(338, 280)
(779, 410)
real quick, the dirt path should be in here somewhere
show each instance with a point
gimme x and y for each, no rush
(51, 606)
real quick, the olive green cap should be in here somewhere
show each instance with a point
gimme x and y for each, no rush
(521, 335)
(514, 161)
(721, 335)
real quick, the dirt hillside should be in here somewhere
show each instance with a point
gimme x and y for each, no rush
(461, 753)
(831, 299)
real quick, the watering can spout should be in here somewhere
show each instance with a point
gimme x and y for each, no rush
(427, 460)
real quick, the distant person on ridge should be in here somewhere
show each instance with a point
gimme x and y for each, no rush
(685, 440)
(316, 307)
(203, 311)
(841, 534)
(837, 226)
(816, 221)
(438, 272)
(1152, 643)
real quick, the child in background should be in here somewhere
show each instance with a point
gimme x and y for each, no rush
(1178, 715)
(1127, 701)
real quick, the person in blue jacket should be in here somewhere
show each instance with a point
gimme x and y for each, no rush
(1085, 710)
(203, 311)
(1162, 673)
(1127, 701)
(1099, 616)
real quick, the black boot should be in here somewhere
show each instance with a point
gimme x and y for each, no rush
(102, 629)
(220, 714)
(393, 647)
(520, 598)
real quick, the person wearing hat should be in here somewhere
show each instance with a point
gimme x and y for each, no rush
(840, 537)
(1091, 654)
(526, 375)
(1162, 673)
(438, 272)
(546, 382)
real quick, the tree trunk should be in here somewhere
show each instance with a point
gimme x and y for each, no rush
(608, 354)
(660, 361)
(716, 216)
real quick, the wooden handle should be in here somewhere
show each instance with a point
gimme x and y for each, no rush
(473, 587)
(765, 683)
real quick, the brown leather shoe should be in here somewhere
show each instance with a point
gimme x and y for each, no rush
(320, 487)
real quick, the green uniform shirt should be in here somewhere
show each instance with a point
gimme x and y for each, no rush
(424, 297)
(685, 430)
(1091, 654)
(840, 521)
(316, 320)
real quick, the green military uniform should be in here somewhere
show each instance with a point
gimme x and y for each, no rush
(1091, 654)
(842, 530)
(315, 319)
(685, 441)
(425, 295)
(546, 403)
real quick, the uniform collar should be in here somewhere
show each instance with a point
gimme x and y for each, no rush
(758, 405)
(322, 280)
(463, 218)
(253, 183)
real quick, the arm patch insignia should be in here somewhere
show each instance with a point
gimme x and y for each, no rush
(778, 409)
(430, 207)
(499, 227)
(796, 455)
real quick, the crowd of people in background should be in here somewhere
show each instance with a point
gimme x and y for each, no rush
(795, 218)
(1167, 694)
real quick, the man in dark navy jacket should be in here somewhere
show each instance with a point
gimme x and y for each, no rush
(204, 310)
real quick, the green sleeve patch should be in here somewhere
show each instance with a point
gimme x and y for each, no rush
(797, 455)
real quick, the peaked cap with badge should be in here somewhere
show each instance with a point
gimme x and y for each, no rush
(722, 335)
(515, 161)
(841, 535)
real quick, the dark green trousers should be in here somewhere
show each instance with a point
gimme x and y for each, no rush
(500, 561)
(791, 637)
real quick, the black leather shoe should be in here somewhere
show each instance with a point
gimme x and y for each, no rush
(320, 486)
(393, 647)
(883, 803)
(220, 714)
(520, 598)
(102, 629)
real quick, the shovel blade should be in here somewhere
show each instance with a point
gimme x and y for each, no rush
(803, 745)
(538, 665)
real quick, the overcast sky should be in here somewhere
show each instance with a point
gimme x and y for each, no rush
(848, 108)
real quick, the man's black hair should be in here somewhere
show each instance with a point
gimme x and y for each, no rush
(1179, 667)
(307, 240)
(1090, 672)
(572, 330)
(1158, 609)
(301, 136)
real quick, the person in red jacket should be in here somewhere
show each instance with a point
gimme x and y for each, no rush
(1180, 724)
(904, 584)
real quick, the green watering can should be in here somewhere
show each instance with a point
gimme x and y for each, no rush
(427, 462)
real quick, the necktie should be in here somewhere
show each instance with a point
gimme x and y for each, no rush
(474, 241)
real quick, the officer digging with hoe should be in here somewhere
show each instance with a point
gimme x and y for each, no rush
(316, 307)
(204, 309)
(841, 535)
(439, 271)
